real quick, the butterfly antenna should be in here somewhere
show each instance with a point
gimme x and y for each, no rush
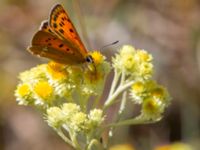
(113, 43)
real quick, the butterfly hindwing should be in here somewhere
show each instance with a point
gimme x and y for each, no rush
(47, 45)
(62, 26)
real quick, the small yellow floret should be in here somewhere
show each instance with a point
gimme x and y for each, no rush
(175, 146)
(43, 89)
(79, 118)
(138, 87)
(54, 116)
(143, 56)
(78, 121)
(158, 93)
(97, 57)
(96, 115)
(56, 70)
(127, 50)
(122, 147)
(23, 90)
(152, 108)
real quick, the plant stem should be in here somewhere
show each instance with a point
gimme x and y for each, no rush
(114, 82)
(120, 89)
(73, 138)
(62, 135)
(138, 120)
(95, 142)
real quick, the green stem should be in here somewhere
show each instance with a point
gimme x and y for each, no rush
(73, 138)
(66, 139)
(114, 82)
(95, 142)
(138, 120)
(112, 98)
(122, 106)
(122, 77)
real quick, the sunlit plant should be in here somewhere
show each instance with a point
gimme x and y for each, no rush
(69, 96)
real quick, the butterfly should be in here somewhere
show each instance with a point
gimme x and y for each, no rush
(58, 40)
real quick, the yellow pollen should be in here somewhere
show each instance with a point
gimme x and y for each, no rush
(158, 92)
(144, 56)
(97, 57)
(138, 87)
(56, 70)
(151, 106)
(43, 89)
(23, 90)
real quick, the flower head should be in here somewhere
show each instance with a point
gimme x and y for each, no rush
(98, 58)
(96, 117)
(23, 94)
(79, 122)
(135, 63)
(29, 76)
(54, 117)
(44, 91)
(152, 108)
(56, 71)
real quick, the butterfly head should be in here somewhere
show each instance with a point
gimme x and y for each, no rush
(94, 59)
(89, 59)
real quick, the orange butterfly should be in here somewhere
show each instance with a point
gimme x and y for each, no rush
(58, 40)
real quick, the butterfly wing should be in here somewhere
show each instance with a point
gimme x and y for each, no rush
(46, 44)
(58, 39)
(62, 26)
(45, 27)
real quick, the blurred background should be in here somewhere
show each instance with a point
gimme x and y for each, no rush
(169, 29)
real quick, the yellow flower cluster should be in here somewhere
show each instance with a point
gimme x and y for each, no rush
(51, 83)
(153, 97)
(136, 63)
(70, 117)
(64, 93)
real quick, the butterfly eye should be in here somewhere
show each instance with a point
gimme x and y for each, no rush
(89, 59)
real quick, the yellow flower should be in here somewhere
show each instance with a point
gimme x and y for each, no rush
(43, 89)
(23, 90)
(175, 146)
(98, 58)
(96, 116)
(137, 92)
(158, 93)
(122, 147)
(143, 56)
(70, 108)
(24, 94)
(127, 50)
(128, 62)
(54, 117)
(34, 73)
(152, 108)
(56, 71)
(138, 87)
(78, 121)
(145, 70)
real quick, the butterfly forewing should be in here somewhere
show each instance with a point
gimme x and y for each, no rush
(62, 26)
(45, 27)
